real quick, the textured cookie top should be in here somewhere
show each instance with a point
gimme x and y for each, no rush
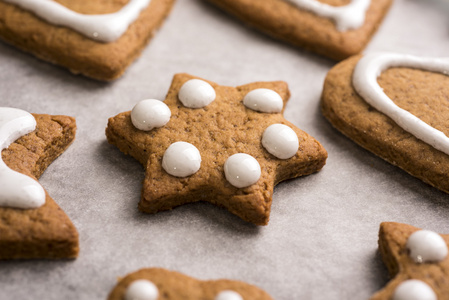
(45, 232)
(219, 130)
(176, 286)
(430, 276)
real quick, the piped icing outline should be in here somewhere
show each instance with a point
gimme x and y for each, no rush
(364, 80)
(346, 17)
(21, 191)
(104, 28)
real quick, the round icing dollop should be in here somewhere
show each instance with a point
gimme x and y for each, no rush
(181, 159)
(242, 170)
(16, 189)
(414, 289)
(100, 27)
(228, 295)
(142, 289)
(280, 140)
(150, 113)
(264, 100)
(196, 93)
(426, 246)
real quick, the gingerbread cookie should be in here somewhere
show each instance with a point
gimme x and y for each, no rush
(158, 284)
(333, 28)
(96, 38)
(31, 223)
(418, 261)
(400, 115)
(224, 145)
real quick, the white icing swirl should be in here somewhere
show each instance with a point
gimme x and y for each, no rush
(242, 170)
(414, 289)
(181, 159)
(103, 28)
(365, 83)
(142, 289)
(17, 190)
(426, 246)
(150, 113)
(264, 100)
(196, 93)
(228, 295)
(346, 17)
(280, 140)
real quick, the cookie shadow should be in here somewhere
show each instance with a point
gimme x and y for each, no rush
(378, 273)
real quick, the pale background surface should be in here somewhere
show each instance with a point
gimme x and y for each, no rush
(321, 242)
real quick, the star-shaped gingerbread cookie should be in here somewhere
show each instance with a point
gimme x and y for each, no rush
(189, 153)
(156, 283)
(418, 261)
(44, 231)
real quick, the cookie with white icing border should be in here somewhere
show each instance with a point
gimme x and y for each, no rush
(417, 259)
(334, 28)
(88, 46)
(44, 231)
(225, 158)
(170, 285)
(408, 90)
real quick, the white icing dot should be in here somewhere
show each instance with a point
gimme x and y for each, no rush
(280, 140)
(150, 113)
(228, 295)
(426, 246)
(242, 170)
(181, 159)
(414, 290)
(196, 93)
(16, 189)
(264, 100)
(142, 289)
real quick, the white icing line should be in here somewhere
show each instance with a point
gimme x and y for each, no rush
(365, 83)
(346, 17)
(103, 28)
(17, 190)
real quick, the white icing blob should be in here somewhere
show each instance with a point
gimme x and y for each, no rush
(280, 140)
(346, 17)
(196, 93)
(426, 246)
(414, 289)
(264, 100)
(150, 113)
(242, 170)
(181, 159)
(17, 190)
(103, 28)
(228, 295)
(365, 83)
(142, 289)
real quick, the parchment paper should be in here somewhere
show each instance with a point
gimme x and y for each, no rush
(321, 242)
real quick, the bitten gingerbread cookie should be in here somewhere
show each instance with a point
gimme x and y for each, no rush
(98, 39)
(31, 223)
(224, 145)
(395, 106)
(158, 284)
(333, 28)
(418, 261)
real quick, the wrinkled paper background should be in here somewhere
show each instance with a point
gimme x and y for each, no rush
(321, 242)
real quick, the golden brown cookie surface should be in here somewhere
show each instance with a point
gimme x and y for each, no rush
(420, 92)
(44, 232)
(177, 286)
(219, 130)
(393, 249)
(70, 49)
(302, 28)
